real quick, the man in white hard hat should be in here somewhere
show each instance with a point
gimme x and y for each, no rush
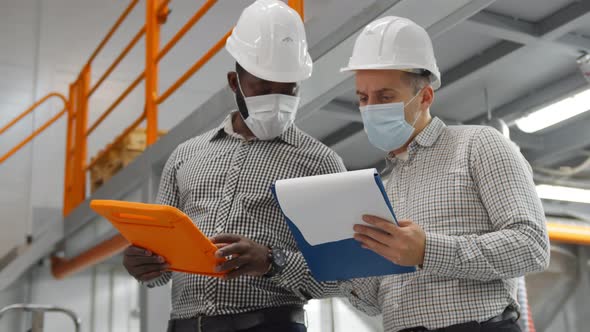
(472, 221)
(222, 180)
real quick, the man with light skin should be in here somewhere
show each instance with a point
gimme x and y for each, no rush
(470, 218)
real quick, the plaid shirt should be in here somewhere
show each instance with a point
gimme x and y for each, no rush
(223, 183)
(474, 196)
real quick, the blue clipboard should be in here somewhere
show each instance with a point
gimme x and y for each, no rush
(344, 259)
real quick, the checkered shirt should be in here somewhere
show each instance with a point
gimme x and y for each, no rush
(474, 196)
(222, 182)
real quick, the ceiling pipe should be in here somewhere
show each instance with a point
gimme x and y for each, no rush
(62, 268)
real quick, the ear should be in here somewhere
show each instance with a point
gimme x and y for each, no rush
(232, 80)
(427, 98)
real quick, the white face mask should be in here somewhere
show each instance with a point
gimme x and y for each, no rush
(270, 115)
(386, 126)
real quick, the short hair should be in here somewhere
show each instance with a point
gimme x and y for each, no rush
(417, 80)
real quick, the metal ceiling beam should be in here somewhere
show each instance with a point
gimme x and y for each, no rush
(343, 133)
(577, 183)
(576, 210)
(576, 41)
(571, 137)
(536, 146)
(343, 110)
(477, 64)
(564, 20)
(518, 31)
(350, 27)
(526, 141)
(550, 29)
(458, 16)
(536, 98)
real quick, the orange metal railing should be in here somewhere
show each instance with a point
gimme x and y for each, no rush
(37, 131)
(77, 104)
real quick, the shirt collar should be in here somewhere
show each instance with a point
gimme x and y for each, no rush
(290, 136)
(431, 133)
(426, 138)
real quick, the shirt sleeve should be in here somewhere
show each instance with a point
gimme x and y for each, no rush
(296, 275)
(363, 294)
(519, 243)
(168, 194)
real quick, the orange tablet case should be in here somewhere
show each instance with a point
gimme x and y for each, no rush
(164, 230)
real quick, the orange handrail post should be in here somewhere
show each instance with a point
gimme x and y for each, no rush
(69, 152)
(151, 68)
(79, 178)
(299, 7)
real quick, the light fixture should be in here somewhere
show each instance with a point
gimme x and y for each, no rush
(555, 113)
(567, 194)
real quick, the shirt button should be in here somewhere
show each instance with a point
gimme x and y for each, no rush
(219, 229)
(235, 168)
(227, 198)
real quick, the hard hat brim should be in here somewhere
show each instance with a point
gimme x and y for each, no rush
(436, 83)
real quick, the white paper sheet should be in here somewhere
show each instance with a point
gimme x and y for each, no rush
(326, 207)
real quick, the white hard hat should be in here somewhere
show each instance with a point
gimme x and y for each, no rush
(269, 42)
(394, 43)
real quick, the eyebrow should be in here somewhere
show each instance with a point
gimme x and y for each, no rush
(387, 90)
(379, 91)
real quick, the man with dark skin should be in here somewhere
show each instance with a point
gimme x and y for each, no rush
(222, 178)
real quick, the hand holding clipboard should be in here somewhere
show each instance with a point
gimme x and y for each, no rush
(165, 231)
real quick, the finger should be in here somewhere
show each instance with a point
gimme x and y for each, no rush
(233, 249)
(137, 251)
(376, 234)
(380, 223)
(221, 245)
(244, 270)
(233, 264)
(369, 243)
(404, 223)
(150, 276)
(144, 260)
(226, 238)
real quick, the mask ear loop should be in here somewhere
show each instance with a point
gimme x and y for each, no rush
(240, 86)
(245, 112)
(411, 101)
